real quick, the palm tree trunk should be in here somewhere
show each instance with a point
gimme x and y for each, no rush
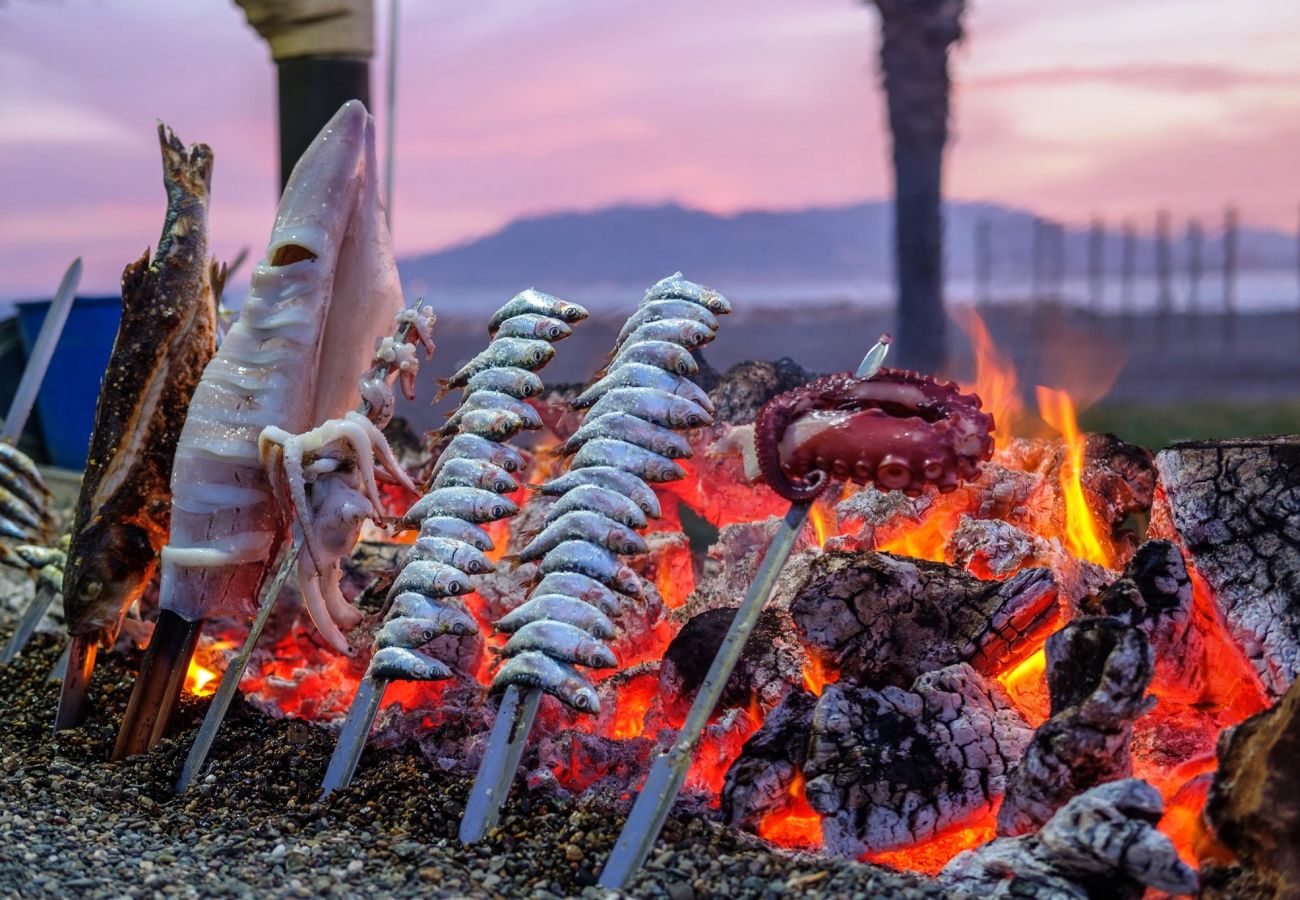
(915, 38)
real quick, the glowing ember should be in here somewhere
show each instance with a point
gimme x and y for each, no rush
(796, 824)
(928, 538)
(995, 378)
(1026, 684)
(932, 855)
(634, 700)
(1081, 535)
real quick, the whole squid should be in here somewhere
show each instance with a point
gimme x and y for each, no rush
(321, 299)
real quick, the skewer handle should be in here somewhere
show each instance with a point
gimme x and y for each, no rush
(42, 351)
(352, 738)
(496, 773)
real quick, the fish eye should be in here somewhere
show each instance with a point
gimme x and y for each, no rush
(683, 368)
(498, 510)
(454, 585)
(502, 485)
(92, 588)
(427, 635)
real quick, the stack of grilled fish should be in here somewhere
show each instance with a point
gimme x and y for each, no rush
(629, 439)
(24, 498)
(468, 484)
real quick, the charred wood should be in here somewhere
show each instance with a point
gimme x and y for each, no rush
(1103, 844)
(893, 767)
(1098, 670)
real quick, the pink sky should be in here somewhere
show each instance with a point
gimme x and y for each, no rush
(523, 106)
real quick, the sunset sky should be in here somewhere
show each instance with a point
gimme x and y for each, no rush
(525, 106)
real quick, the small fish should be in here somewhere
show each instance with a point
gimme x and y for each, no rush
(457, 530)
(11, 507)
(641, 375)
(653, 405)
(405, 631)
(493, 401)
(534, 301)
(519, 353)
(662, 354)
(607, 502)
(534, 326)
(475, 473)
(401, 664)
(16, 531)
(37, 556)
(492, 424)
(432, 579)
(610, 477)
(558, 608)
(21, 465)
(584, 588)
(562, 641)
(675, 287)
(473, 446)
(595, 562)
(656, 310)
(642, 463)
(465, 503)
(560, 680)
(622, 426)
(584, 525)
(516, 382)
(683, 332)
(441, 614)
(451, 552)
(35, 496)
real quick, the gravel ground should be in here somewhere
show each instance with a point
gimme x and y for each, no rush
(72, 823)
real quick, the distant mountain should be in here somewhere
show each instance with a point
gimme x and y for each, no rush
(630, 244)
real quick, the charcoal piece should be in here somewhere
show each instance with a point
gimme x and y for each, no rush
(746, 386)
(1119, 478)
(1155, 595)
(1103, 844)
(880, 619)
(1234, 507)
(733, 560)
(760, 778)
(769, 665)
(1254, 802)
(992, 545)
(893, 767)
(1098, 670)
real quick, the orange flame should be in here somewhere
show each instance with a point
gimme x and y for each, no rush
(1026, 685)
(823, 522)
(816, 675)
(1081, 533)
(200, 680)
(796, 824)
(928, 538)
(633, 703)
(995, 378)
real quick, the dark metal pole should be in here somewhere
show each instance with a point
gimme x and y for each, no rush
(312, 88)
(1164, 267)
(1230, 275)
(983, 263)
(1096, 265)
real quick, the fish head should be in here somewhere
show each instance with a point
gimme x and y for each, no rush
(489, 509)
(106, 572)
(581, 696)
(685, 413)
(452, 582)
(552, 329)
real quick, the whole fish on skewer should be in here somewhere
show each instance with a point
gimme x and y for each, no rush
(166, 337)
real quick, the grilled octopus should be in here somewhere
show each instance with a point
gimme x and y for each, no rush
(897, 430)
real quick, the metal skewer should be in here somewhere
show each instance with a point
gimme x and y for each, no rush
(32, 615)
(352, 737)
(42, 351)
(662, 785)
(234, 673)
(496, 773)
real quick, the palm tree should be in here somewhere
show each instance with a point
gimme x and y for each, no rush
(915, 38)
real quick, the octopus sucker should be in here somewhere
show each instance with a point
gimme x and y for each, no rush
(897, 430)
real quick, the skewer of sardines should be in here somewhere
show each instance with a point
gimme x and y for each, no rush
(466, 490)
(630, 439)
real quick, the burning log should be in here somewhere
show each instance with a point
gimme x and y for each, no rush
(769, 763)
(893, 767)
(1103, 843)
(1254, 803)
(1098, 670)
(1234, 506)
(880, 619)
